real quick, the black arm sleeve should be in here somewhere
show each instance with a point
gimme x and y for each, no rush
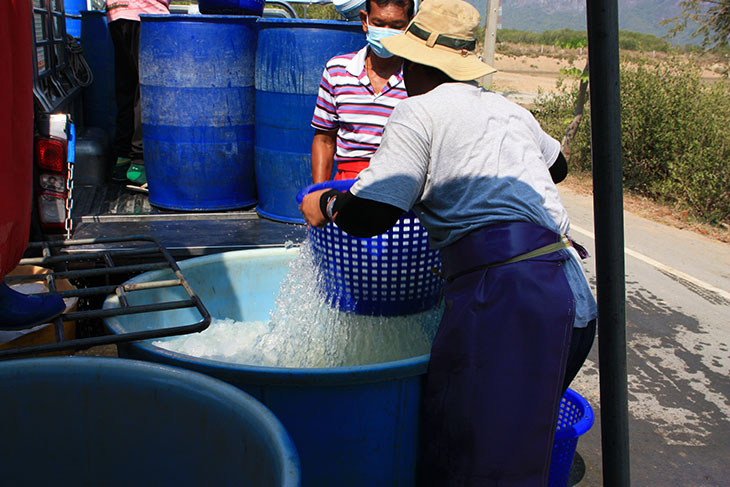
(359, 217)
(362, 218)
(559, 169)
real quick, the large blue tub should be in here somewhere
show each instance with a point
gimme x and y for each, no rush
(290, 58)
(352, 426)
(197, 87)
(104, 421)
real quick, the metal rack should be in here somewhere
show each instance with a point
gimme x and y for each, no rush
(53, 83)
(69, 259)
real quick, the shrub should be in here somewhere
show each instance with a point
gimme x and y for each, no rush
(636, 41)
(675, 135)
(699, 176)
(555, 112)
(314, 11)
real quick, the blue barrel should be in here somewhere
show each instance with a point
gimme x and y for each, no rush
(99, 102)
(352, 426)
(290, 59)
(107, 421)
(197, 89)
(72, 10)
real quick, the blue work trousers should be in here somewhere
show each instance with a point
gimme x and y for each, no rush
(495, 377)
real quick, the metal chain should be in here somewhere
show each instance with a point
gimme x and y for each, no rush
(69, 224)
(71, 160)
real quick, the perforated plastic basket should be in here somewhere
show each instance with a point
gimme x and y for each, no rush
(386, 275)
(575, 418)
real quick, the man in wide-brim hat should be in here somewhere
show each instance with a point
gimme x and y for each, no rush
(519, 316)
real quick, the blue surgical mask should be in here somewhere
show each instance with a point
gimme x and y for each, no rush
(375, 34)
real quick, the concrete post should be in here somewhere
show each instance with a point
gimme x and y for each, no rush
(490, 38)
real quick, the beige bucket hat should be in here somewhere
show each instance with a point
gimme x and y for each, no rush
(442, 35)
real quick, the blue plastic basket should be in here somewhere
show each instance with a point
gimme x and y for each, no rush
(575, 418)
(387, 275)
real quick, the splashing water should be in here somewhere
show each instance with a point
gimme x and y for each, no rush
(304, 331)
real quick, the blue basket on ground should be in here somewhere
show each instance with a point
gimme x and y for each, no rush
(387, 275)
(575, 418)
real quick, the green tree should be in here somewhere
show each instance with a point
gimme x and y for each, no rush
(712, 17)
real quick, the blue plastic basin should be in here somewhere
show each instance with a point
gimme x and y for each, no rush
(113, 422)
(352, 426)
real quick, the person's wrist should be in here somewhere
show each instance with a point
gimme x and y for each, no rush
(327, 203)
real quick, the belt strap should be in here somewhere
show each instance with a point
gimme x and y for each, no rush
(441, 39)
(547, 249)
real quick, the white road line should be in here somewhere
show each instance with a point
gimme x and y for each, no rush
(662, 267)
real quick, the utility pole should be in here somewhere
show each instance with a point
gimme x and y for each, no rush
(603, 52)
(490, 38)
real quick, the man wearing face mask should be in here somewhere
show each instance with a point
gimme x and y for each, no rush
(357, 94)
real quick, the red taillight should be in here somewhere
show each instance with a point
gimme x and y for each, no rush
(51, 154)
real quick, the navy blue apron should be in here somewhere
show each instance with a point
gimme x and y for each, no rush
(497, 363)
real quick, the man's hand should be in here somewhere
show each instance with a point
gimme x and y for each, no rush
(311, 211)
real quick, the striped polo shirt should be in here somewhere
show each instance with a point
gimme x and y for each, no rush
(348, 103)
(131, 9)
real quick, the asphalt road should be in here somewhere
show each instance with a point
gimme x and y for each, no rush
(678, 354)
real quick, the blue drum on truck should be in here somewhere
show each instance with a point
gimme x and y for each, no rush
(72, 11)
(99, 102)
(197, 88)
(290, 59)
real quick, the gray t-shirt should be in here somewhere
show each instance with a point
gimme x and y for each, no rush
(463, 158)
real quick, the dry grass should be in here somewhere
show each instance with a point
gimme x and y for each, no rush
(511, 49)
(713, 65)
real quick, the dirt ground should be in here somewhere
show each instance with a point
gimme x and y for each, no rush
(525, 74)
(534, 71)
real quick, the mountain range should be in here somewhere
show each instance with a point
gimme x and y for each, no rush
(541, 15)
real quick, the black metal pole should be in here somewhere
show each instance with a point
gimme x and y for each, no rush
(602, 16)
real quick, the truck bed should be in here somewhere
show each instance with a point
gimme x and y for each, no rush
(112, 210)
